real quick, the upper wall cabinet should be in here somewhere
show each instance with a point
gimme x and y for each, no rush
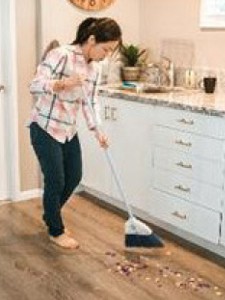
(212, 14)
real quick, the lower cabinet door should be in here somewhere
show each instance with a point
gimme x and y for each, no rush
(192, 218)
(130, 146)
(96, 173)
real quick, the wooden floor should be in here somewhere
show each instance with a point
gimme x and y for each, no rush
(32, 268)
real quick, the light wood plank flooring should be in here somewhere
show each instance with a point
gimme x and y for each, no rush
(33, 268)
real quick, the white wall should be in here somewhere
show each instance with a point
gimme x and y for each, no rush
(60, 19)
(26, 54)
(143, 22)
(180, 19)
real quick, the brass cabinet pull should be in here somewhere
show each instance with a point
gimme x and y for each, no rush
(183, 165)
(113, 114)
(186, 122)
(106, 112)
(182, 143)
(179, 215)
(182, 188)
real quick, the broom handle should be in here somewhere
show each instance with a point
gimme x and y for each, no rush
(109, 159)
(118, 182)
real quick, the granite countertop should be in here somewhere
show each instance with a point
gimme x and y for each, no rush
(191, 100)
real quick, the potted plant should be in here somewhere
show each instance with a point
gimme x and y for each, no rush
(132, 57)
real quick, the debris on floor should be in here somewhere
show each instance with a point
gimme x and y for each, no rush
(141, 267)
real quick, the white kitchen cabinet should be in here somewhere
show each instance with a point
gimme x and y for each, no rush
(128, 126)
(130, 129)
(188, 189)
(171, 164)
(189, 143)
(199, 221)
(96, 173)
(206, 171)
(188, 160)
(197, 123)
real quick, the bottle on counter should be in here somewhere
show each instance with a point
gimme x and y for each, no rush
(190, 79)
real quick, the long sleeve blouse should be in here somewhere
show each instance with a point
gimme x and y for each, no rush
(56, 112)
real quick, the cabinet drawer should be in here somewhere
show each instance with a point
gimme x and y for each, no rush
(191, 122)
(188, 189)
(181, 163)
(197, 220)
(204, 147)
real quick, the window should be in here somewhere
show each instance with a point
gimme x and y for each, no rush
(212, 14)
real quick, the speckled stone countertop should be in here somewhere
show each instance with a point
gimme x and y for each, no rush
(190, 100)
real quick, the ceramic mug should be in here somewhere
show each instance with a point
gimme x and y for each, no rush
(208, 84)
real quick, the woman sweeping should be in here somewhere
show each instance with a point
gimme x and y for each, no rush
(62, 77)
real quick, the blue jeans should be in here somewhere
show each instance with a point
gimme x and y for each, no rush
(61, 165)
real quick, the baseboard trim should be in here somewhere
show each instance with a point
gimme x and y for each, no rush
(79, 189)
(30, 194)
(37, 193)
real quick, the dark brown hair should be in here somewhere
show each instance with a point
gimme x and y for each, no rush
(103, 29)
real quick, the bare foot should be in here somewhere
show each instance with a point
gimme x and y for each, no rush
(67, 232)
(65, 241)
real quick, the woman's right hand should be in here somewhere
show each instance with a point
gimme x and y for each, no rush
(102, 139)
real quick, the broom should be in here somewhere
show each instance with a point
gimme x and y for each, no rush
(137, 234)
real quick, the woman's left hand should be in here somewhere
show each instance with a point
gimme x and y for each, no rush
(73, 81)
(67, 84)
(102, 139)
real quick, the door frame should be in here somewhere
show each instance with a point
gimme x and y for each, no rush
(10, 101)
(14, 140)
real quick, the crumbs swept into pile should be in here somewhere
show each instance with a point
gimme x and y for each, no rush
(142, 267)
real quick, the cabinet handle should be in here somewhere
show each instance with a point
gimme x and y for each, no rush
(106, 113)
(179, 215)
(186, 122)
(182, 143)
(182, 188)
(113, 114)
(183, 165)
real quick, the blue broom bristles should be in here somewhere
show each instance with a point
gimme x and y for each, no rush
(146, 241)
(138, 234)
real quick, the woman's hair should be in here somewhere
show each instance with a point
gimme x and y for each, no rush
(103, 29)
(52, 45)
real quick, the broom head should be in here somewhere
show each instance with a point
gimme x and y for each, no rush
(138, 234)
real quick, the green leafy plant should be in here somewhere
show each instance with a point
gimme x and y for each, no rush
(131, 55)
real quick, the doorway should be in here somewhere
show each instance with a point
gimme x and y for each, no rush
(3, 97)
(8, 120)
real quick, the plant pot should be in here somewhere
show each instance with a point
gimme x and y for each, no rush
(130, 73)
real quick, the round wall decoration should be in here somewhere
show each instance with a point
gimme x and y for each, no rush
(92, 4)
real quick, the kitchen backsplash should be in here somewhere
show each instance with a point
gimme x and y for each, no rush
(112, 73)
(110, 70)
(182, 53)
